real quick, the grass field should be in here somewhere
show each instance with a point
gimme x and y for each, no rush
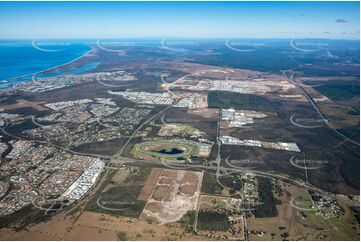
(151, 149)
(304, 202)
(120, 194)
(339, 115)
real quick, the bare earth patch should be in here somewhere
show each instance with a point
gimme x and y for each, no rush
(168, 203)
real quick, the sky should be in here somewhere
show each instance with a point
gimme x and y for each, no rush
(20, 20)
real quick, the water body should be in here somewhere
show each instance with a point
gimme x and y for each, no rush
(173, 151)
(19, 58)
(57, 71)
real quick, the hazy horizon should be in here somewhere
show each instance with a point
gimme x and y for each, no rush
(114, 20)
(185, 38)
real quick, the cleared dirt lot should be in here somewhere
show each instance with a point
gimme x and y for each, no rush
(175, 193)
(22, 103)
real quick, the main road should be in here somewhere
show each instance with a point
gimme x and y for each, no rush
(312, 102)
(303, 184)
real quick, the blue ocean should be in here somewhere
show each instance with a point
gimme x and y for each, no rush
(19, 60)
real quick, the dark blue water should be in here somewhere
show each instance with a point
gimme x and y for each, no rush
(18, 58)
(173, 151)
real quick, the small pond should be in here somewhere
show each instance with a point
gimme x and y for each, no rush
(173, 151)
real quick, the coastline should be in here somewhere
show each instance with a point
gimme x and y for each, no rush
(49, 69)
